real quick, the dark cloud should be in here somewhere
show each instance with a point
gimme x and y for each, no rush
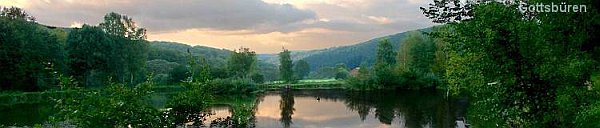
(169, 15)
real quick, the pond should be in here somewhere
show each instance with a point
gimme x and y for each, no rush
(310, 108)
(343, 109)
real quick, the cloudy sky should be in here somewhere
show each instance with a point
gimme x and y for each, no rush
(262, 25)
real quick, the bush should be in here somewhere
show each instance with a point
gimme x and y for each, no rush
(187, 106)
(114, 106)
(589, 117)
(362, 83)
(416, 80)
(257, 78)
(231, 86)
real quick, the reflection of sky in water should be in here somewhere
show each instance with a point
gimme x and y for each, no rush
(310, 113)
(219, 112)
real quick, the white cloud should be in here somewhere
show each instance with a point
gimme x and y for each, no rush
(380, 19)
(76, 25)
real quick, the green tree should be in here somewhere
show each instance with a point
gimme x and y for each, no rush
(241, 63)
(131, 43)
(416, 58)
(531, 67)
(341, 71)
(178, 74)
(122, 26)
(15, 13)
(257, 78)
(29, 53)
(301, 68)
(114, 106)
(90, 52)
(285, 66)
(384, 62)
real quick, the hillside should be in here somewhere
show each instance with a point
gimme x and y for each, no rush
(351, 55)
(177, 52)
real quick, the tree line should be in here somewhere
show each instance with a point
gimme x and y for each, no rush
(36, 57)
(521, 68)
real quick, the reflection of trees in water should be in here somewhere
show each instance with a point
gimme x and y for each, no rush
(286, 105)
(417, 108)
(414, 108)
(188, 117)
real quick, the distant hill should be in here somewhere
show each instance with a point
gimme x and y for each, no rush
(217, 58)
(177, 52)
(351, 55)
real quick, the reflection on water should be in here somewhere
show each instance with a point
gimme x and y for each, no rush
(327, 108)
(25, 114)
(309, 108)
(286, 105)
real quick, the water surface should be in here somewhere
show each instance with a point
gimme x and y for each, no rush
(343, 109)
(306, 109)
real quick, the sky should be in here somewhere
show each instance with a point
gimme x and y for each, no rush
(261, 25)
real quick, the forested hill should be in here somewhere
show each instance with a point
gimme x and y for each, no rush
(162, 54)
(177, 52)
(351, 55)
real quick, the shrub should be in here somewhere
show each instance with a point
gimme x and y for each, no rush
(187, 106)
(257, 78)
(231, 86)
(114, 106)
(362, 83)
(588, 117)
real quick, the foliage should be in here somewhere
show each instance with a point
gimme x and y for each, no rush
(110, 50)
(114, 106)
(160, 69)
(187, 106)
(27, 50)
(301, 68)
(588, 117)
(285, 67)
(241, 63)
(364, 80)
(416, 59)
(15, 13)
(257, 78)
(384, 62)
(122, 26)
(341, 71)
(449, 11)
(178, 74)
(323, 73)
(351, 55)
(531, 68)
(231, 86)
(90, 51)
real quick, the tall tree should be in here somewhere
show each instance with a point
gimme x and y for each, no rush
(449, 11)
(241, 62)
(15, 13)
(285, 66)
(341, 71)
(90, 54)
(384, 61)
(131, 41)
(122, 26)
(417, 53)
(27, 51)
(301, 68)
(529, 66)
